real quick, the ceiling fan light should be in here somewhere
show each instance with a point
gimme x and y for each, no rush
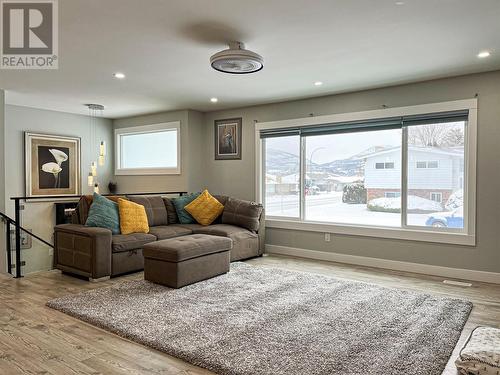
(237, 60)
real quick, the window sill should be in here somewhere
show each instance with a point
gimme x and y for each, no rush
(378, 232)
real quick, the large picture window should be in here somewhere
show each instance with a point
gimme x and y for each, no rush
(408, 172)
(148, 150)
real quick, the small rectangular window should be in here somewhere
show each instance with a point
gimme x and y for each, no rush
(437, 197)
(421, 164)
(392, 194)
(148, 150)
(389, 165)
(379, 165)
(432, 164)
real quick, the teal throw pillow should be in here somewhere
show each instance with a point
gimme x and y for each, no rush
(180, 203)
(103, 213)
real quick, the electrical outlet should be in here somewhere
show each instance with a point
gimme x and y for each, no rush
(327, 237)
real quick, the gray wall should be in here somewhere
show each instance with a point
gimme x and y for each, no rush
(237, 177)
(191, 154)
(196, 179)
(40, 216)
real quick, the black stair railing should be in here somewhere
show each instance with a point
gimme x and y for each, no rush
(9, 222)
(18, 228)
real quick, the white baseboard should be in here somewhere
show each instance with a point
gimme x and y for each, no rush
(427, 269)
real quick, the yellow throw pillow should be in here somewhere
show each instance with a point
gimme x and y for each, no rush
(205, 209)
(133, 218)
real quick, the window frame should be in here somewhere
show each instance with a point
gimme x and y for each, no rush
(145, 129)
(407, 232)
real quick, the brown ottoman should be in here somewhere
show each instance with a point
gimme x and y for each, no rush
(176, 262)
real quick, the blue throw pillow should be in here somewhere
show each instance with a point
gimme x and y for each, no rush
(103, 213)
(180, 203)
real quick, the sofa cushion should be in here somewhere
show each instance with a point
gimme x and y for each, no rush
(242, 213)
(103, 213)
(180, 203)
(222, 199)
(133, 218)
(224, 230)
(191, 227)
(162, 232)
(205, 208)
(155, 208)
(171, 213)
(187, 247)
(245, 242)
(126, 242)
(81, 212)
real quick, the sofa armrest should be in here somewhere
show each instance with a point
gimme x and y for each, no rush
(83, 250)
(262, 232)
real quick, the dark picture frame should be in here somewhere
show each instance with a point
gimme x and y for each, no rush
(52, 165)
(227, 137)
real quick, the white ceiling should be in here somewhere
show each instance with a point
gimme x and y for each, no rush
(164, 47)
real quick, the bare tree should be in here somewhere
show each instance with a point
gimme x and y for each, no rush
(454, 137)
(435, 135)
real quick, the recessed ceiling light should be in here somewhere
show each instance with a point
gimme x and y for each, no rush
(214, 100)
(399, 3)
(483, 54)
(119, 75)
(318, 83)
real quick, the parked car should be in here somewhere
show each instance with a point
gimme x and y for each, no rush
(448, 219)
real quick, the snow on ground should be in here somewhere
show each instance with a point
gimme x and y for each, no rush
(414, 203)
(328, 207)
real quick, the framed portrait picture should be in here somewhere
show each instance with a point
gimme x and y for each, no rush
(52, 165)
(228, 139)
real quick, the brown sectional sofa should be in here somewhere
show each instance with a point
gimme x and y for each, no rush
(96, 253)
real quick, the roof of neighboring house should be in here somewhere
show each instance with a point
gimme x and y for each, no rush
(451, 151)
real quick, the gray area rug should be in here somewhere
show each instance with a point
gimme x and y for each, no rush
(257, 320)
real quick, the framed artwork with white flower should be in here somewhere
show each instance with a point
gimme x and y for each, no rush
(52, 165)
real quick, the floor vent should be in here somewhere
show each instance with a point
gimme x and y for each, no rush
(457, 283)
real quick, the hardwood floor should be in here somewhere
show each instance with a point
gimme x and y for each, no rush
(37, 340)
